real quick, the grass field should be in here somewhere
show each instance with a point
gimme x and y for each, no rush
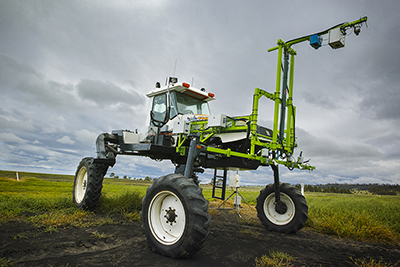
(45, 200)
(362, 217)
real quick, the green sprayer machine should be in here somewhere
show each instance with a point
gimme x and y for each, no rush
(182, 129)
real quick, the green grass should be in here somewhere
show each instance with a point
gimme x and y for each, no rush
(360, 217)
(5, 262)
(363, 217)
(98, 235)
(275, 259)
(31, 195)
(249, 193)
(45, 200)
(372, 263)
(42, 176)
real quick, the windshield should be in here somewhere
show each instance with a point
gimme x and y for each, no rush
(184, 104)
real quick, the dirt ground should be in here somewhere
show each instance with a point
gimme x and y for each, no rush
(230, 243)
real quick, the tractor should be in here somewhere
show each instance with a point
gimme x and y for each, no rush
(182, 129)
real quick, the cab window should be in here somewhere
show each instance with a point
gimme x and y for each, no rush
(173, 105)
(159, 109)
(189, 105)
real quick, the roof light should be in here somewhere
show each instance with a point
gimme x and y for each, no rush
(173, 80)
(186, 85)
(211, 95)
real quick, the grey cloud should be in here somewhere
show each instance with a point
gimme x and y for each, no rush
(12, 138)
(43, 119)
(318, 100)
(65, 140)
(382, 102)
(21, 81)
(12, 73)
(339, 149)
(70, 70)
(15, 123)
(107, 93)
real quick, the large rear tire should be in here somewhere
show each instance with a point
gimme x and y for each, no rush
(88, 183)
(296, 211)
(175, 216)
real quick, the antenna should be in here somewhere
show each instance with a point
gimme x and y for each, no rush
(192, 81)
(176, 61)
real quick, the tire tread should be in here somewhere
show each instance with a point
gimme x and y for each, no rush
(197, 209)
(301, 212)
(95, 173)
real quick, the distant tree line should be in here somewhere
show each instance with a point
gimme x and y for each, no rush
(376, 189)
(147, 178)
(385, 189)
(324, 189)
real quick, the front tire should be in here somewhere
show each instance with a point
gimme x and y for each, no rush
(175, 216)
(296, 212)
(88, 183)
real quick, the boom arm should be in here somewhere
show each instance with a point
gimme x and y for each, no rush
(343, 27)
(283, 97)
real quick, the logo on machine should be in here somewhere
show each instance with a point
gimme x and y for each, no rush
(198, 118)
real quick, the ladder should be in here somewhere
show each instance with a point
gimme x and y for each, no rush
(216, 186)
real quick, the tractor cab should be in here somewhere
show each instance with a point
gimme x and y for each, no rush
(177, 100)
(176, 103)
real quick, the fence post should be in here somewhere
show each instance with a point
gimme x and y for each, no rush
(302, 189)
(17, 176)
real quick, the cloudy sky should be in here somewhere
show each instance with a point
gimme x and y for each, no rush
(70, 70)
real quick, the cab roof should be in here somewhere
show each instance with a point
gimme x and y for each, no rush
(183, 88)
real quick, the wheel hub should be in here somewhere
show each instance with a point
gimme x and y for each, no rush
(84, 185)
(170, 216)
(280, 207)
(165, 224)
(279, 213)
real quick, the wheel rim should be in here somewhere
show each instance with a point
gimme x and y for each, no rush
(81, 184)
(166, 218)
(275, 217)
